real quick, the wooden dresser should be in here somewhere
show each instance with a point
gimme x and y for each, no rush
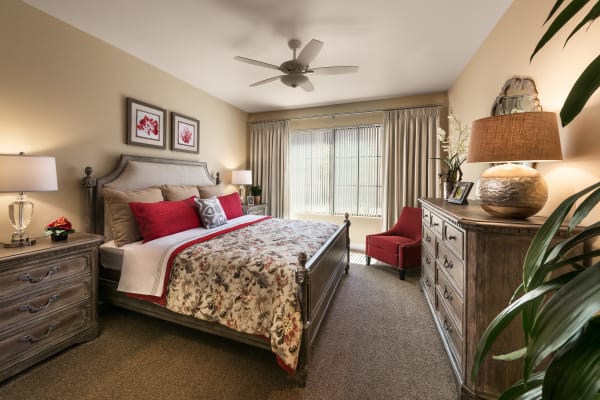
(48, 296)
(472, 263)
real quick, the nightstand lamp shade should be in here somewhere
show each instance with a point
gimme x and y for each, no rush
(20, 173)
(514, 190)
(241, 177)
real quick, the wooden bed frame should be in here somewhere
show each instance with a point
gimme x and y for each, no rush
(318, 277)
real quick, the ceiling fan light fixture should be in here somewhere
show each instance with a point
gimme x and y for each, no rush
(293, 80)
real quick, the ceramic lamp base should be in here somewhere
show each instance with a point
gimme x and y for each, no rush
(512, 191)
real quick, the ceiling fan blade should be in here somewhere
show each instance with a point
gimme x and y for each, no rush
(309, 52)
(266, 81)
(255, 62)
(337, 70)
(307, 86)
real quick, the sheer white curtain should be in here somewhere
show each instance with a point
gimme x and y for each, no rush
(268, 161)
(410, 168)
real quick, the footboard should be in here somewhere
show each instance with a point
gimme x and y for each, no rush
(318, 280)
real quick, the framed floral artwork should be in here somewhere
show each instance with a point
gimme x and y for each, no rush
(184, 133)
(145, 124)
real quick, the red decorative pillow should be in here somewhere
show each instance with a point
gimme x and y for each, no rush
(155, 220)
(232, 205)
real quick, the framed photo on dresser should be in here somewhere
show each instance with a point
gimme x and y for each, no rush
(184, 133)
(145, 124)
(460, 192)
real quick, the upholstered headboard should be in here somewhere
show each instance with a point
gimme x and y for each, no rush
(138, 172)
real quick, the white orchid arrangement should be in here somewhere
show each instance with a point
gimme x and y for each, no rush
(455, 144)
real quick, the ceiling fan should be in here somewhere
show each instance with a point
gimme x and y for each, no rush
(296, 69)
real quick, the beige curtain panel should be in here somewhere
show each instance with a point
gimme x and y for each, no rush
(409, 159)
(268, 160)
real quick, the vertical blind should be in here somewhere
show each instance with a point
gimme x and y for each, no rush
(337, 170)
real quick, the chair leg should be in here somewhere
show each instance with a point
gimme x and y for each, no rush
(368, 260)
(402, 274)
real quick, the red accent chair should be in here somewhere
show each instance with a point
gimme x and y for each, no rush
(401, 245)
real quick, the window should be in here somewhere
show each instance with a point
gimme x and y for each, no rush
(337, 170)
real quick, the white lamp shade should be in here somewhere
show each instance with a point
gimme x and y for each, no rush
(241, 177)
(20, 173)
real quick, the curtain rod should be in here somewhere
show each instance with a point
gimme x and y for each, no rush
(350, 113)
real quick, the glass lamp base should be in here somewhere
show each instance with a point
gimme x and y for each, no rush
(19, 240)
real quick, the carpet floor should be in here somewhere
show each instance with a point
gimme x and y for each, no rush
(378, 341)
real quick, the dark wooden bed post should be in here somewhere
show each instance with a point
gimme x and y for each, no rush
(89, 186)
(348, 223)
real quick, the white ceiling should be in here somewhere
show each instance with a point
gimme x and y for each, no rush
(403, 47)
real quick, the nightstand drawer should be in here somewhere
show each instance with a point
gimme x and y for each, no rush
(44, 333)
(42, 272)
(20, 310)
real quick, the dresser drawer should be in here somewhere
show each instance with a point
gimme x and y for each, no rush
(426, 213)
(22, 309)
(429, 239)
(455, 239)
(33, 338)
(437, 225)
(42, 272)
(428, 282)
(451, 266)
(450, 330)
(450, 296)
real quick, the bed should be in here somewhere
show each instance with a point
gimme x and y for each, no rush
(315, 276)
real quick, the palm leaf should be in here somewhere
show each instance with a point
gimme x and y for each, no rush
(592, 15)
(561, 19)
(567, 311)
(554, 9)
(513, 355)
(576, 368)
(584, 208)
(520, 390)
(501, 321)
(582, 90)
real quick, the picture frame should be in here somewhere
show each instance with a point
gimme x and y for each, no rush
(145, 124)
(250, 200)
(184, 133)
(460, 192)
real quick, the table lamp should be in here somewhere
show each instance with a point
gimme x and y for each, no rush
(514, 190)
(21, 173)
(241, 177)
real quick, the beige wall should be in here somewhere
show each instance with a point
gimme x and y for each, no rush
(504, 54)
(62, 93)
(350, 114)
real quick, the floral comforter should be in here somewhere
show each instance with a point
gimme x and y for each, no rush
(245, 280)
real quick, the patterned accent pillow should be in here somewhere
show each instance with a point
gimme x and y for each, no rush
(211, 212)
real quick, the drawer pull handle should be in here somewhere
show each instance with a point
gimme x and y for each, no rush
(451, 237)
(447, 294)
(27, 277)
(33, 339)
(427, 260)
(427, 283)
(447, 326)
(435, 224)
(33, 310)
(428, 238)
(447, 263)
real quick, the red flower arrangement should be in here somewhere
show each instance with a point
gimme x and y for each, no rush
(61, 226)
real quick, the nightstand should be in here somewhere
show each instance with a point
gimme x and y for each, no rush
(48, 299)
(256, 209)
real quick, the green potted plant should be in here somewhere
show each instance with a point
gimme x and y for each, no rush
(256, 191)
(560, 315)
